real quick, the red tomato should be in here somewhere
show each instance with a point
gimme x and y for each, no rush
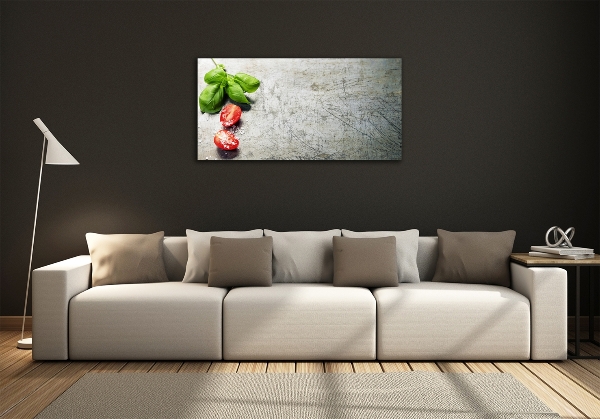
(230, 114)
(226, 140)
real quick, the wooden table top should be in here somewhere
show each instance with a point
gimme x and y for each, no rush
(525, 259)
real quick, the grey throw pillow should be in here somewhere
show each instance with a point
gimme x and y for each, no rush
(196, 269)
(365, 262)
(240, 262)
(126, 258)
(474, 257)
(302, 256)
(407, 246)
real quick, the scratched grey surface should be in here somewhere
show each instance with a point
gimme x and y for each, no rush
(312, 109)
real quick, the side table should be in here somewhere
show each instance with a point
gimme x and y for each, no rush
(533, 261)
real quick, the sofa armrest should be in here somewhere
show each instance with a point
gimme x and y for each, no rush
(546, 289)
(53, 286)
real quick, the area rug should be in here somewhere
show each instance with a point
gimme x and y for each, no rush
(421, 395)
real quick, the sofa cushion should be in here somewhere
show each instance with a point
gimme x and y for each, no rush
(303, 256)
(299, 322)
(407, 246)
(240, 262)
(196, 269)
(160, 321)
(126, 258)
(365, 262)
(446, 321)
(474, 257)
(175, 256)
(427, 257)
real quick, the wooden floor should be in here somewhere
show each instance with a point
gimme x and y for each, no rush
(570, 388)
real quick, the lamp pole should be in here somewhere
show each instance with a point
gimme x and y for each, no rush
(27, 343)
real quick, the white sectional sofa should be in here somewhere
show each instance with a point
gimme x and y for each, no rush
(295, 319)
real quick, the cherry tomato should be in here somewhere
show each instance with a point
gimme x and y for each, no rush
(230, 114)
(226, 140)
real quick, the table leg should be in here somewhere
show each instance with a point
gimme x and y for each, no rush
(577, 295)
(591, 336)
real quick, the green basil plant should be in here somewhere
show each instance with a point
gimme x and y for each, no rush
(220, 83)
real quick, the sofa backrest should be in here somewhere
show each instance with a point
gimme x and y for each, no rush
(427, 257)
(175, 254)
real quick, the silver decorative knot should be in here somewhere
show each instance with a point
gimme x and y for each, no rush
(565, 237)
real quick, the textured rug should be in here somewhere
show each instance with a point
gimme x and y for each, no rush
(325, 396)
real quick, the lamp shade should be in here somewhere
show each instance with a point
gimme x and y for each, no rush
(56, 153)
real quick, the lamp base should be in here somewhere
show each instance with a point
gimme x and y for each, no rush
(26, 343)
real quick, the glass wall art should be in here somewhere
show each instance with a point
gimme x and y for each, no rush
(299, 108)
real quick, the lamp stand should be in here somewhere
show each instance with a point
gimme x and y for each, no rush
(27, 343)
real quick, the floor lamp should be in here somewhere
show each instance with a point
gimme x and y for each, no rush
(54, 153)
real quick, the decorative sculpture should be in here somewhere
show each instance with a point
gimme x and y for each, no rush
(564, 240)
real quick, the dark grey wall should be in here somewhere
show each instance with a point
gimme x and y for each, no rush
(500, 130)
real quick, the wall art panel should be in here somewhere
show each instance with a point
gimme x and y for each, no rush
(300, 109)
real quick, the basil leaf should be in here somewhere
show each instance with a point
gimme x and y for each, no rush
(248, 83)
(216, 75)
(235, 92)
(211, 98)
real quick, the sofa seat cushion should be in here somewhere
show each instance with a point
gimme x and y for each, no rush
(299, 322)
(451, 321)
(152, 321)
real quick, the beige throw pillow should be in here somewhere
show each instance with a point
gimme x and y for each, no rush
(474, 257)
(365, 262)
(126, 258)
(240, 262)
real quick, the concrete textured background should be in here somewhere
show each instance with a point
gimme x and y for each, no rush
(312, 109)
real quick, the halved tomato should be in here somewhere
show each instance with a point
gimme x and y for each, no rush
(230, 114)
(225, 140)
